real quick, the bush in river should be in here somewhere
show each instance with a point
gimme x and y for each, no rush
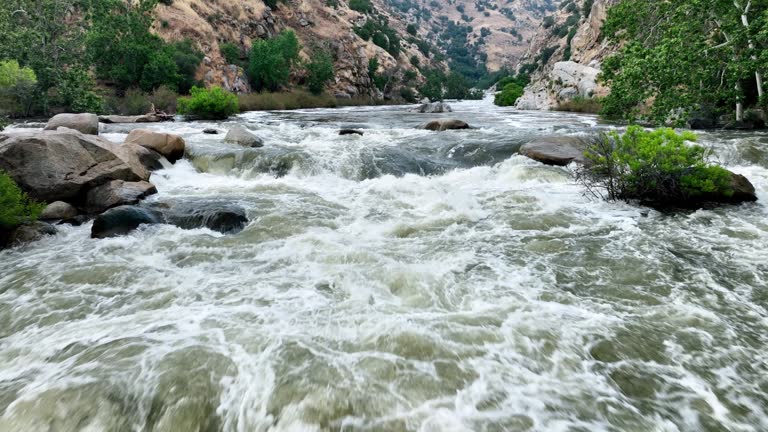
(210, 104)
(656, 167)
(15, 206)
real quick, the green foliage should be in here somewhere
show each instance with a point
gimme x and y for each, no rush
(16, 207)
(271, 61)
(17, 88)
(319, 72)
(75, 90)
(656, 167)
(408, 94)
(412, 29)
(362, 6)
(230, 52)
(509, 95)
(433, 87)
(210, 104)
(700, 54)
(581, 104)
(378, 31)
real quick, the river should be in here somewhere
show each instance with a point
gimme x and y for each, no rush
(404, 280)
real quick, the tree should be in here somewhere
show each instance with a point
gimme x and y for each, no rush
(433, 87)
(271, 61)
(17, 88)
(687, 54)
(319, 72)
(209, 104)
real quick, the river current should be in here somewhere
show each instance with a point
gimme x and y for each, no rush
(403, 280)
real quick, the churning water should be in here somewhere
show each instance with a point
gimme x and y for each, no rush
(400, 281)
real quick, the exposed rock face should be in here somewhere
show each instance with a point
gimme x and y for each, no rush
(169, 145)
(58, 210)
(433, 108)
(444, 125)
(117, 193)
(556, 150)
(85, 123)
(244, 137)
(61, 166)
(122, 220)
(559, 79)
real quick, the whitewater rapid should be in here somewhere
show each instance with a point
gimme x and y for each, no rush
(404, 280)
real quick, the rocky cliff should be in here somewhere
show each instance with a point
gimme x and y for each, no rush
(572, 62)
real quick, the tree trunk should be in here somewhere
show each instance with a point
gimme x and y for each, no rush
(745, 22)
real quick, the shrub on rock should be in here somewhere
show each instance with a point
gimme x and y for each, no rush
(16, 207)
(208, 104)
(659, 168)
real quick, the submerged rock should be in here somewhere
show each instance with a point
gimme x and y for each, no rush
(84, 123)
(242, 136)
(210, 131)
(444, 125)
(433, 108)
(218, 216)
(117, 193)
(556, 150)
(26, 233)
(343, 132)
(58, 210)
(169, 145)
(122, 220)
(62, 165)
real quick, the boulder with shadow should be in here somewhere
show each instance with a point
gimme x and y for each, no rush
(242, 136)
(122, 220)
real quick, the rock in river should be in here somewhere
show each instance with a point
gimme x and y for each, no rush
(218, 216)
(242, 136)
(122, 220)
(169, 145)
(117, 193)
(26, 233)
(84, 123)
(58, 210)
(433, 108)
(556, 150)
(63, 165)
(444, 125)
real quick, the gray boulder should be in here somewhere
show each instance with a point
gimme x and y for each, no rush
(122, 220)
(433, 108)
(117, 193)
(145, 118)
(242, 136)
(61, 166)
(26, 233)
(556, 150)
(84, 123)
(171, 146)
(444, 125)
(58, 210)
(224, 217)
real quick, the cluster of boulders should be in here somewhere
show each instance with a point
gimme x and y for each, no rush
(80, 175)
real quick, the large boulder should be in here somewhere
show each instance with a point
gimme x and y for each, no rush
(117, 193)
(169, 145)
(84, 123)
(556, 150)
(433, 108)
(62, 165)
(444, 125)
(218, 216)
(743, 191)
(58, 210)
(122, 220)
(242, 136)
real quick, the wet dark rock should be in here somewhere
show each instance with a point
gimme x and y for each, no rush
(122, 220)
(242, 136)
(75, 221)
(444, 125)
(117, 193)
(343, 132)
(701, 123)
(224, 217)
(58, 210)
(26, 233)
(739, 125)
(556, 150)
(84, 123)
(210, 131)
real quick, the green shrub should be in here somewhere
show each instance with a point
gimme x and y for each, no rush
(213, 104)
(230, 52)
(362, 6)
(164, 99)
(408, 94)
(581, 104)
(319, 72)
(15, 206)
(17, 88)
(656, 167)
(509, 95)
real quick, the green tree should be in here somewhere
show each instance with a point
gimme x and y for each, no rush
(17, 88)
(319, 72)
(509, 95)
(433, 87)
(271, 61)
(214, 103)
